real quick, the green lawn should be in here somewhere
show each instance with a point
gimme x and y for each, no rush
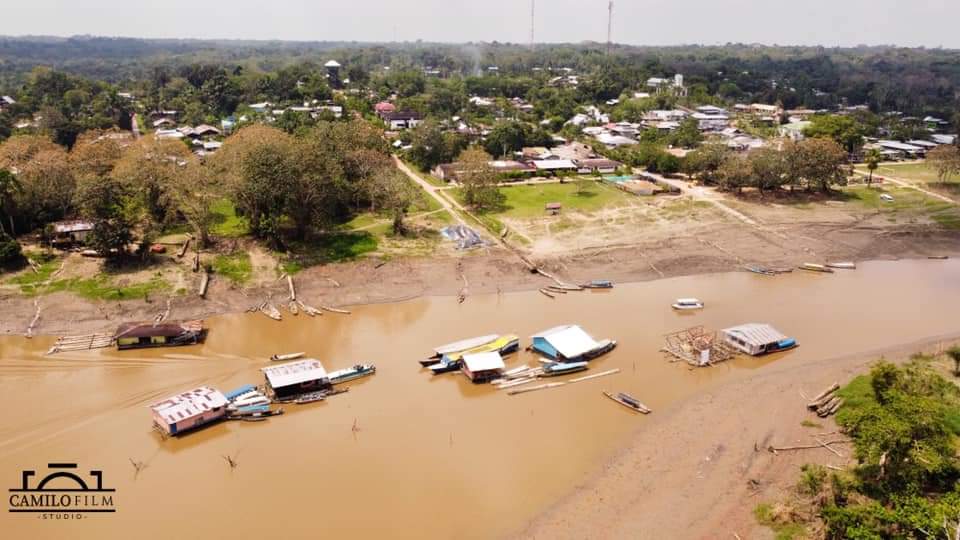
(528, 201)
(226, 221)
(918, 172)
(236, 267)
(328, 248)
(906, 204)
(103, 287)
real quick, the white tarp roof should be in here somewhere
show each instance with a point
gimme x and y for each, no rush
(896, 145)
(483, 361)
(188, 404)
(294, 372)
(550, 164)
(755, 333)
(569, 340)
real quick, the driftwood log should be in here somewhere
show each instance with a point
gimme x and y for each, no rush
(821, 398)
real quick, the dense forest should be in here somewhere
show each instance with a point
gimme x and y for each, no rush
(914, 81)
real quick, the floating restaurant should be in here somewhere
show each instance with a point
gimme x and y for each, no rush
(295, 378)
(189, 410)
(139, 335)
(570, 343)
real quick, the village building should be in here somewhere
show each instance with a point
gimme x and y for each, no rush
(597, 165)
(554, 166)
(161, 122)
(672, 86)
(71, 232)
(295, 378)
(711, 121)
(482, 367)
(903, 149)
(613, 141)
(402, 119)
(6, 102)
(141, 335)
(189, 410)
(333, 73)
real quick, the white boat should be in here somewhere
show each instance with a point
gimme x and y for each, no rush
(842, 265)
(463, 345)
(687, 303)
(284, 357)
(255, 400)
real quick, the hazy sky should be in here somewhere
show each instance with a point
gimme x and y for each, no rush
(652, 22)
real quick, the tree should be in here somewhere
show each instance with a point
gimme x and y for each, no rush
(946, 160)
(479, 180)
(734, 173)
(9, 188)
(195, 191)
(844, 130)
(392, 192)
(688, 134)
(101, 199)
(94, 153)
(147, 171)
(954, 354)
(10, 252)
(816, 163)
(704, 162)
(873, 161)
(768, 169)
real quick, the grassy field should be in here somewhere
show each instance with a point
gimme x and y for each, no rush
(236, 267)
(907, 205)
(917, 172)
(528, 201)
(226, 221)
(328, 248)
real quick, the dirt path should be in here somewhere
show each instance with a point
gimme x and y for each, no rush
(702, 194)
(432, 191)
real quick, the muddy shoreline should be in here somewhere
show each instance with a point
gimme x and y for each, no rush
(491, 270)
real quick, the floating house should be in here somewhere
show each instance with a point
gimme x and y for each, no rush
(482, 367)
(570, 343)
(295, 378)
(189, 410)
(139, 335)
(757, 339)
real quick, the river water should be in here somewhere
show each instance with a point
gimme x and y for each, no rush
(405, 454)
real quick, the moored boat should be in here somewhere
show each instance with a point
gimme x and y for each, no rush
(598, 284)
(842, 265)
(563, 368)
(351, 373)
(569, 343)
(284, 357)
(687, 304)
(310, 398)
(444, 367)
(813, 267)
(757, 269)
(458, 346)
(629, 402)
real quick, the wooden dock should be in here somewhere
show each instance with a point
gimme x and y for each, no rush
(81, 343)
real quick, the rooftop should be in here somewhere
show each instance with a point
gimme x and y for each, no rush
(294, 372)
(569, 340)
(755, 333)
(483, 361)
(191, 403)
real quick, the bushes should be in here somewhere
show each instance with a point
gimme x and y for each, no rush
(10, 253)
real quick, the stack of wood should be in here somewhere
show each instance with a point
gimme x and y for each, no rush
(827, 402)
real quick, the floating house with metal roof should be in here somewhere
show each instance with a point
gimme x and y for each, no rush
(757, 339)
(482, 367)
(570, 343)
(139, 335)
(189, 410)
(295, 378)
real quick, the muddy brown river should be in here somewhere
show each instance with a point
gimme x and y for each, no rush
(405, 454)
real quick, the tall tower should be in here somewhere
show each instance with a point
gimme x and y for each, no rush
(533, 4)
(609, 23)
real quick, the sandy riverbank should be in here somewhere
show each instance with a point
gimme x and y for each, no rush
(723, 248)
(699, 468)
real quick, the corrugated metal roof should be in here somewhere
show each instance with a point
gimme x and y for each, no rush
(188, 404)
(569, 340)
(294, 373)
(483, 361)
(755, 333)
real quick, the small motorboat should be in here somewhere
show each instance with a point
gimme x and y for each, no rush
(812, 267)
(683, 304)
(757, 269)
(562, 368)
(598, 284)
(938, 257)
(444, 367)
(243, 411)
(310, 398)
(842, 265)
(351, 373)
(285, 357)
(255, 400)
(629, 402)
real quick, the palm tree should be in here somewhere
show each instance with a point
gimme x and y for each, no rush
(954, 354)
(873, 161)
(9, 186)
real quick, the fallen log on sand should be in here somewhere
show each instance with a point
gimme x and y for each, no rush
(820, 398)
(546, 293)
(309, 310)
(184, 247)
(293, 291)
(204, 282)
(820, 444)
(832, 409)
(36, 317)
(334, 310)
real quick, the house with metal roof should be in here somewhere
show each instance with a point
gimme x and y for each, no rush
(482, 367)
(569, 343)
(757, 338)
(295, 378)
(189, 410)
(140, 335)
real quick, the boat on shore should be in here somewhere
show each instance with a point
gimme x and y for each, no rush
(556, 369)
(938, 257)
(813, 267)
(351, 373)
(598, 284)
(629, 402)
(757, 269)
(285, 357)
(842, 265)
(683, 304)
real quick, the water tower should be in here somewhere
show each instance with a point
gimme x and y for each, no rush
(333, 73)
